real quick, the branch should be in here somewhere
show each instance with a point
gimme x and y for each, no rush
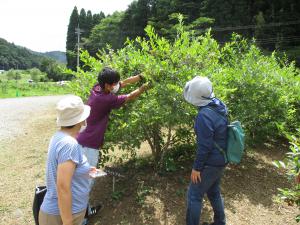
(166, 146)
(148, 138)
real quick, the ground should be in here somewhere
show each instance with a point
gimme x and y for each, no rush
(142, 196)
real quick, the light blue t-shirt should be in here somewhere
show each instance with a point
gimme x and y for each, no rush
(62, 148)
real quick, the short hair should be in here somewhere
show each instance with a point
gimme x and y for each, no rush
(108, 76)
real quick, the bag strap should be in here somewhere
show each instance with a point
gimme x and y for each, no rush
(215, 143)
(212, 109)
(222, 151)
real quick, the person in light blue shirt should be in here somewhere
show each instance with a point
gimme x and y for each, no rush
(67, 172)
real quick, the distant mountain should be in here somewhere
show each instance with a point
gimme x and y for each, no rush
(16, 57)
(57, 55)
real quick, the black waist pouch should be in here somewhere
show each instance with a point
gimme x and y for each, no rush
(39, 195)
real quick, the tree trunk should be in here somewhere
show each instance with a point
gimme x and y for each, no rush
(157, 140)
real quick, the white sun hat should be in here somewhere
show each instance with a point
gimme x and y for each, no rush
(71, 111)
(198, 91)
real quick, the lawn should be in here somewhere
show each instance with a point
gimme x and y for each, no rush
(12, 88)
(32, 82)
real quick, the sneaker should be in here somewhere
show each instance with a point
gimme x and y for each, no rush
(94, 210)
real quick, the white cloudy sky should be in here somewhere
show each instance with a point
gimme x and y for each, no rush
(41, 25)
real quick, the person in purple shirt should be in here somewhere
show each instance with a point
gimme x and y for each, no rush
(103, 100)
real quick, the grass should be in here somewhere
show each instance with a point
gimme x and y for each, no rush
(15, 83)
(11, 89)
(22, 167)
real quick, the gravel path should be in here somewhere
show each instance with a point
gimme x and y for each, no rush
(15, 111)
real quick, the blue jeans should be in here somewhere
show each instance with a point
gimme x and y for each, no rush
(92, 156)
(210, 185)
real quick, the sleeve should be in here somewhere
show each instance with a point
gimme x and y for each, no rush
(205, 133)
(118, 101)
(68, 152)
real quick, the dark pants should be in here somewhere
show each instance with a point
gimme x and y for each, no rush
(210, 185)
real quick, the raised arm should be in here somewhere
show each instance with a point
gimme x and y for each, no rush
(136, 93)
(131, 80)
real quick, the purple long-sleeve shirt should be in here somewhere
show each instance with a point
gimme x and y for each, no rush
(101, 105)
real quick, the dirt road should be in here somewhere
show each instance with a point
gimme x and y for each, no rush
(16, 112)
(26, 124)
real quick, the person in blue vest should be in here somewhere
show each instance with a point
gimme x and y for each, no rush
(211, 131)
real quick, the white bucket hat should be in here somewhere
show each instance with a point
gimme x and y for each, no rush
(198, 91)
(71, 110)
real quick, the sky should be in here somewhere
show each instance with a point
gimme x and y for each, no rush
(41, 25)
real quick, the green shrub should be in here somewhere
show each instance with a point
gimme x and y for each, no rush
(292, 166)
(260, 91)
(263, 91)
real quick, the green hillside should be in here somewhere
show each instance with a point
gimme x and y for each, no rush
(57, 55)
(17, 57)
